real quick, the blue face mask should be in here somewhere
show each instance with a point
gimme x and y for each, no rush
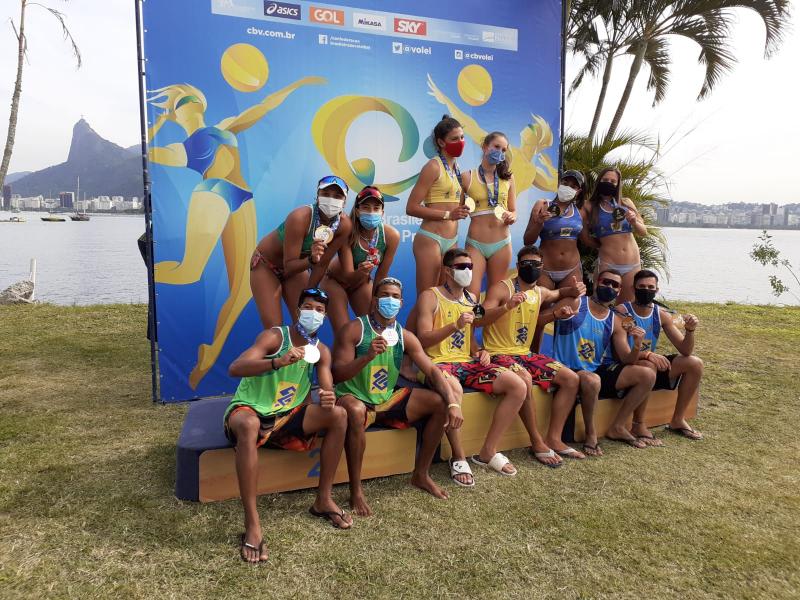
(495, 156)
(370, 220)
(311, 320)
(389, 307)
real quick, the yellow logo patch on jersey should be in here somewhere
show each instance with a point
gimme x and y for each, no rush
(566, 232)
(586, 350)
(284, 395)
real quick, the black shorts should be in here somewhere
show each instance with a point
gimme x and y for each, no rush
(609, 374)
(663, 381)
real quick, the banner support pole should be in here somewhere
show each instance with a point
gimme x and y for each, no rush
(152, 327)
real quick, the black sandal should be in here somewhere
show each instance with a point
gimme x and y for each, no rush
(259, 549)
(328, 515)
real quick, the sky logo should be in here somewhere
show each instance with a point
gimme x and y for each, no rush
(410, 26)
(282, 10)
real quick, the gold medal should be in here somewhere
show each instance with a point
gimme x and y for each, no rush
(554, 209)
(323, 233)
(499, 212)
(530, 296)
(470, 204)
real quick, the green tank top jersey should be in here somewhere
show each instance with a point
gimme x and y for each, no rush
(360, 255)
(374, 384)
(308, 240)
(276, 391)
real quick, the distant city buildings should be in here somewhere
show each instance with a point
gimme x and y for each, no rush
(67, 199)
(688, 214)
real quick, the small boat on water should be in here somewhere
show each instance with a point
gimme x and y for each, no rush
(79, 217)
(52, 218)
(13, 220)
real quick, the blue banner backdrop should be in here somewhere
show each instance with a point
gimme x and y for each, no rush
(302, 89)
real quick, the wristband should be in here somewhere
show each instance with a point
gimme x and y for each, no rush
(311, 262)
(446, 216)
(274, 368)
(449, 406)
(689, 330)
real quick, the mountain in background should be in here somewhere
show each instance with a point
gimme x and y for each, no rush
(105, 169)
(12, 177)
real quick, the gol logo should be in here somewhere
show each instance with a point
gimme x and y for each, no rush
(327, 15)
(411, 26)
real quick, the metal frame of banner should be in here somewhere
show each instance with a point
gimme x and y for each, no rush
(564, 21)
(152, 323)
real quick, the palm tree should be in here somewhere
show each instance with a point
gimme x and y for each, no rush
(705, 22)
(599, 31)
(22, 50)
(642, 182)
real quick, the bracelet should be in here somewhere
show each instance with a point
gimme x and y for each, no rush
(446, 216)
(690, 330)
(311, 262)
(274, 368)
(647, 356)
(451, 405)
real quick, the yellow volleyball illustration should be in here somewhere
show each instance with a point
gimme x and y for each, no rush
(474, 85)
(244, 67)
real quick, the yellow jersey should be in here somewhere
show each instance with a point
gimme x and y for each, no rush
(512, 333)
(446, 188)
(455, 347)
(479, 192)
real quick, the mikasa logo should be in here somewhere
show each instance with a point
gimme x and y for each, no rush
(366, 21)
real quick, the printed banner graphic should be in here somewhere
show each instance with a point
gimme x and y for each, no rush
(250, 102)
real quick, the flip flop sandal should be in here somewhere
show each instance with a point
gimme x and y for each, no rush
(648, 438)
(632, 442)
(496, 463)
(549, 454)
(685, 432)
(328, 515)
(461, 467)
(590, 450)
(570, 452)
(259, 549)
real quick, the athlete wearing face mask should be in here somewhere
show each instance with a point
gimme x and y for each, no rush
(367, 257)
(369, 351)
(298, 252)
(446, 316)
(273, 407)
(612, 222)
(512, 313)
(438, 199)
(491, 187)
(586, 333)
(682, 369)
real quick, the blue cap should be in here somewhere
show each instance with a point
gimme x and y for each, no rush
(330, 180)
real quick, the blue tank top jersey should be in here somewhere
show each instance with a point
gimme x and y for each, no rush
(606, 225)
(581, 341)
(562, 227)
(201, 147)
(651, 326)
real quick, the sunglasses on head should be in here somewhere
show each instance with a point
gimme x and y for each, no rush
(461, 266)
(325, 181)
(611, 283)
(369, 192)
(533, 263)
(316, 294)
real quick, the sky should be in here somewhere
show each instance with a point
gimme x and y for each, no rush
(740, 146)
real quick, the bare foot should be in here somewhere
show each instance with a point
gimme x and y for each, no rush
(339, 518)
(252, 548)
(359, 505)
(426, 484)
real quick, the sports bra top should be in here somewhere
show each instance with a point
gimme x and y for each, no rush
(563, 227)
(360, 254)
(479, 191)
(446, 188)
(606, 225)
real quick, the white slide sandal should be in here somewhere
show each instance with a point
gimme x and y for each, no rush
(497, 462)
(461, 467)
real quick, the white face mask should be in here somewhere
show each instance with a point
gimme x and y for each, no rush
(330, 207)
(462, 277)
(566, 193)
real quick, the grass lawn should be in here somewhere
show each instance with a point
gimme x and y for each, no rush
(87, 507)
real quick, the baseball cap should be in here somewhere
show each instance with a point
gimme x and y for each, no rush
(576, 175)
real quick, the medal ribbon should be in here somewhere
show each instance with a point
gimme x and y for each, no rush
(455, 172)
(492, 200)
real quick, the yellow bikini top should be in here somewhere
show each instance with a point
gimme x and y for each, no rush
(446, 188)
(479, 192)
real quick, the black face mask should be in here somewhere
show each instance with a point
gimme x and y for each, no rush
(644, 297)
(606, 188)
(605, 293)
(528, 273)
